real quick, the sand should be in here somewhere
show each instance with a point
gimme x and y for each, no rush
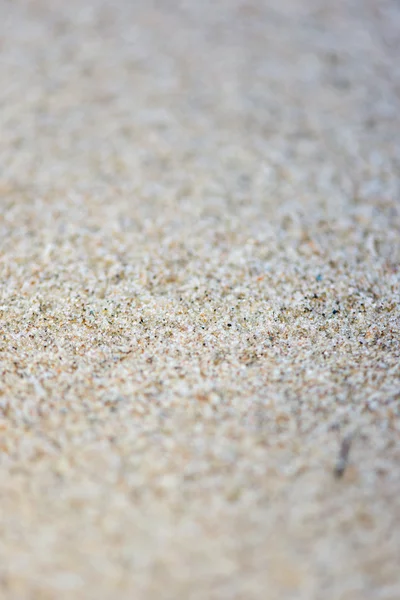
(199, 300)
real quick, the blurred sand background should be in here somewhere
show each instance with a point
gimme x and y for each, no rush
(199, 299)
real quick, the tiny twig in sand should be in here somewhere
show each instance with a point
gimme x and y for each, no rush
(343, 458)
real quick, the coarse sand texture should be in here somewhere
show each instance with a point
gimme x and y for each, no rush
(199, 300)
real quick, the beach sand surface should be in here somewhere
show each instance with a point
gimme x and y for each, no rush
(199, 300)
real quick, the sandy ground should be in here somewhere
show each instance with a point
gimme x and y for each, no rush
(199, 300)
